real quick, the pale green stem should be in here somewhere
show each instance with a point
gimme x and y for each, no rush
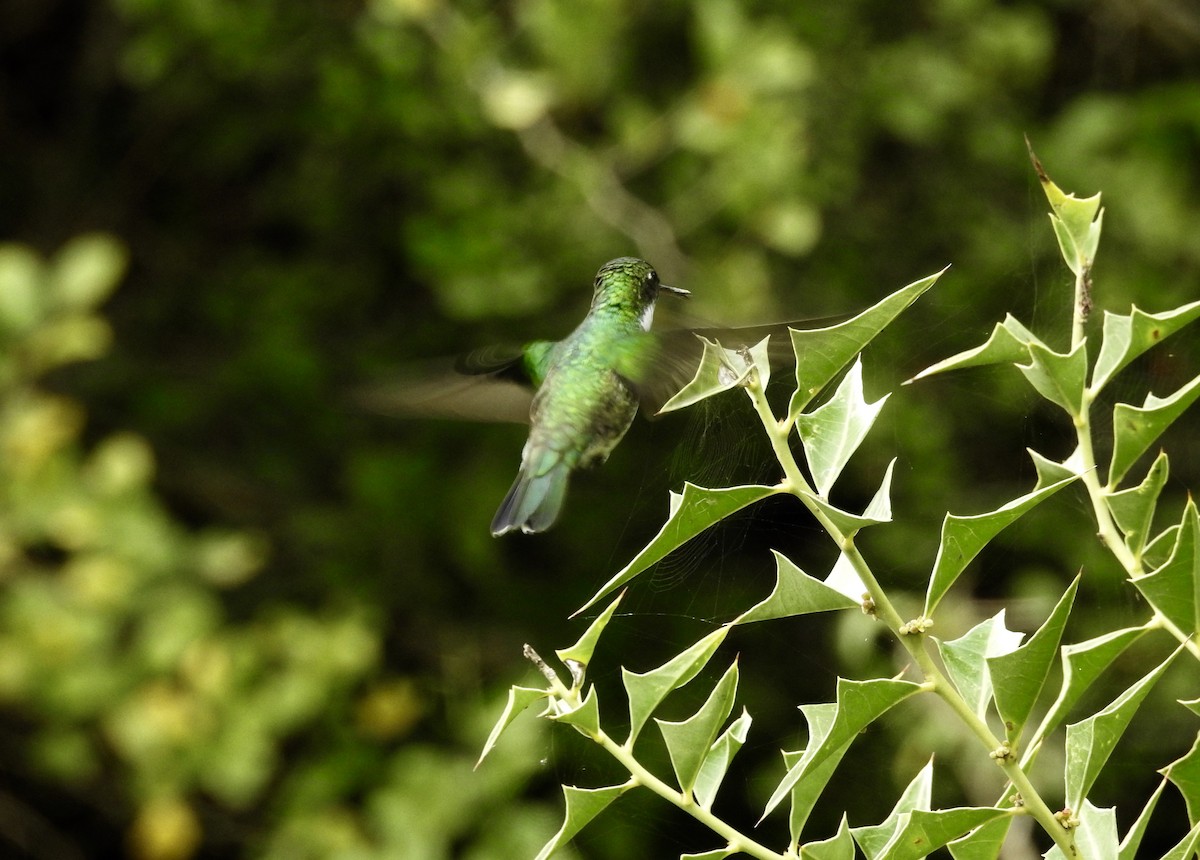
(1083, 305)
(778, 432)
(1189, 642)
(1107, 529)
(737, 841)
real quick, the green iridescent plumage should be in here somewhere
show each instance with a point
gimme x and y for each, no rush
(587, 395)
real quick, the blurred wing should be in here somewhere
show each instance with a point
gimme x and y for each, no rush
(526, 366)
(485, 385)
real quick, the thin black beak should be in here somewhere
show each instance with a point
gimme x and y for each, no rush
(676, 291)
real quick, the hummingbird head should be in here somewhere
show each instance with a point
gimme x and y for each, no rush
(630, 286)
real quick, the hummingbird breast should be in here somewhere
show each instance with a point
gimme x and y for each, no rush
(583, 407)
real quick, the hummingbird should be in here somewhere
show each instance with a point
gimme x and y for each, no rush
(579, 395)
(586, 396)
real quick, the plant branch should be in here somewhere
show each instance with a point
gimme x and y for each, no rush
(1083, 304)
(1110, 535)
(779, 432)
(736, 840)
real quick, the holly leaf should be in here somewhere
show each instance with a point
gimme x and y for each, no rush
(832, 432)
(1133, 509)
(795, 593)
(688, 741)
(1172, 587)
(720, 755)
(966, 659)
(693, 512)
(1126, 336)
(859, 703)
(1008, 343)
(583, 804)
(822, 352)
(1090, 742)
(1185, 774)
(1136, 427)
(647, 690)
(963, 538)
(519, 698)
(1059, 377)
(1019, 675)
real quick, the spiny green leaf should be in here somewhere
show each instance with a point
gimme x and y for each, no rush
(1082, 664)
(1128, 336)
(1091, 741)
(1185, 774)
(1133, 839)
(580, 654)
(807, 791)
(844, 521)
(1133, 509)
(1076, 221)
(964, 537)
(982, 843)
(1172, 588)
(821, 353)
(879, 509)
(583, 804)
(720, 369)
(1136, 427)
(1060, 378)
(760, 357)
(719, 757)
(1095, 837)
(833, 431)
(694, 512)
(913, 830)
(837, 847)
(923, 831)
(585, 717)
(1049, 472)
(845, 580)
(795, 593)
(966, 659)
(1159, 548)
(688, 741)
(647, 690)
(918, 794)
(519, 698)
(1008, 344)
(1192, 705)
(859, 703)
(1018, 677)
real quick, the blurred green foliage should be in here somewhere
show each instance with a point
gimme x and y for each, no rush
(117, 651)
(311, 193)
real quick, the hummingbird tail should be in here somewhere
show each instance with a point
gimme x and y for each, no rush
(533, 502)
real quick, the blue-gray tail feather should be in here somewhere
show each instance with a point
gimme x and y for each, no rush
(532, 503)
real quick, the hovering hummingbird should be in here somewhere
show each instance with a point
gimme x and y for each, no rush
(586, 395)
(579, 394)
